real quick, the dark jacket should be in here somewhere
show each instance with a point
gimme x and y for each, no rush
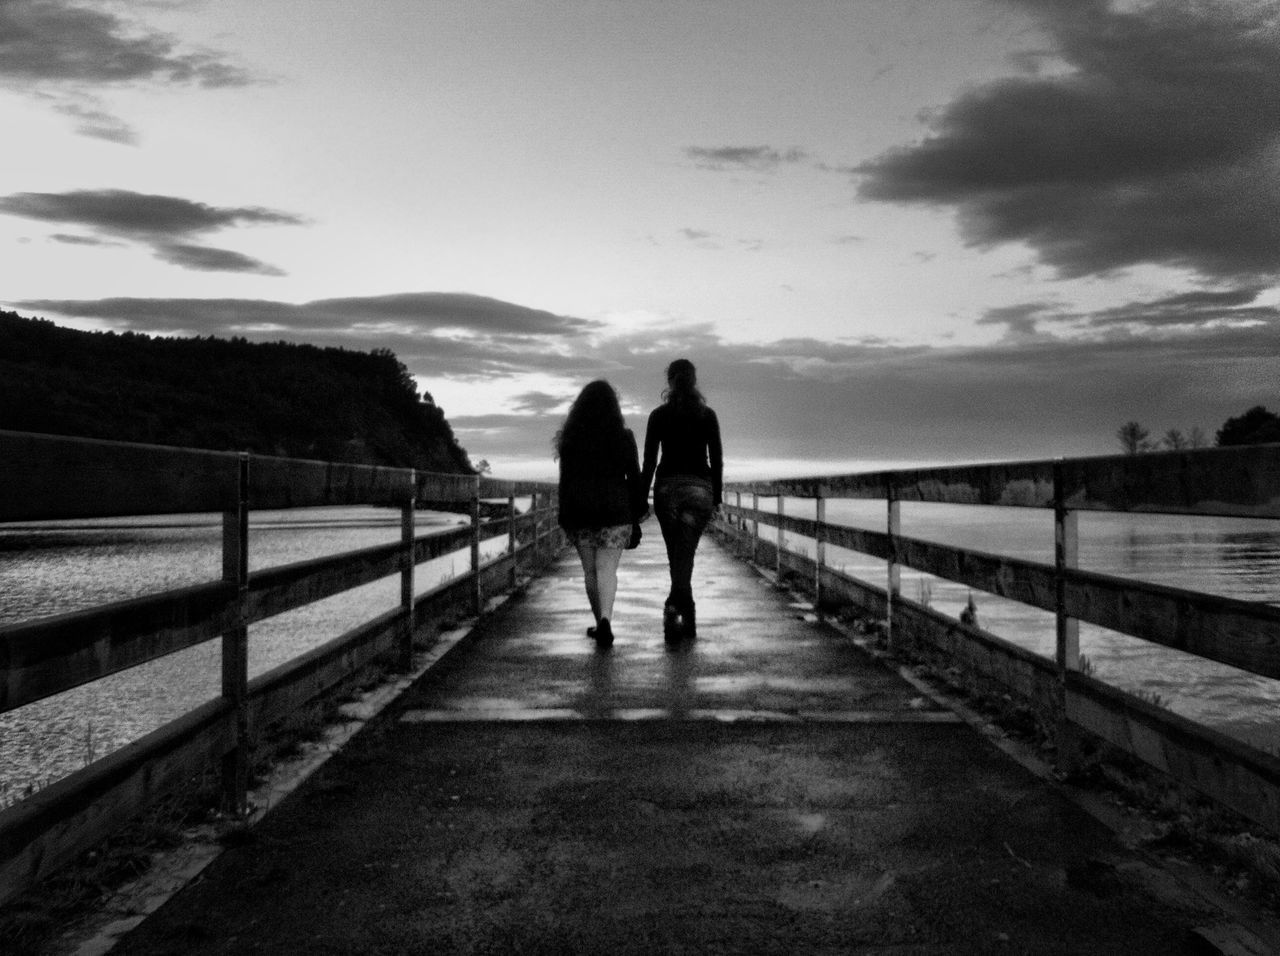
(690, 442)
(601, 487)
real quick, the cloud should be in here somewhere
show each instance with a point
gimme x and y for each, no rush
(96, 122)
(72, 240)
(122, 212)
(208, 259)
(1058, 383)
(161, 222)
(1021, 321)
(1203, 308)
(1045, 389)
(58, 50)
(1156, 143)
(702, 238)
(540, 402)
(455, 335)
(52, 40)
(753, 158)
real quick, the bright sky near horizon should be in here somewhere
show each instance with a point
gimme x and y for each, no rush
(887, 231)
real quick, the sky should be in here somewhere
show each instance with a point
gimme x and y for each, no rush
(887, 232)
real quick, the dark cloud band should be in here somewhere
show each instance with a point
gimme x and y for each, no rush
(1060, 383)
(165, 223)
(55, 41)
(1157, 145)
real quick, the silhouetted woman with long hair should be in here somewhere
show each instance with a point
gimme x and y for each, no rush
(682, 448)
(600, 494)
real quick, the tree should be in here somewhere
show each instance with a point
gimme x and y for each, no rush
(1174, 440)
(1257, 426)
(1197, 438)
(1133, 438)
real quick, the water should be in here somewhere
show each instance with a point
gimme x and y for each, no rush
(1233, 557)
(57, 567)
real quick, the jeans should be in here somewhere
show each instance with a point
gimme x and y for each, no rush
(683, 505)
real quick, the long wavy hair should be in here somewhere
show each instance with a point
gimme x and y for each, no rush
(682, 386)
(594, 425)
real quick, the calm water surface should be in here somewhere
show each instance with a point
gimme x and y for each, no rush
(1233, 557)
(56, 567)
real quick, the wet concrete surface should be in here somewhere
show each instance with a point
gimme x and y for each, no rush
(768, 788)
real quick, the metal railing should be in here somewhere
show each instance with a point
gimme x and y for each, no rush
(53, 478)
(1239, 482)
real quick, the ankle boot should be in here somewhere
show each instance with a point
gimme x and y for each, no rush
(689, 617)
(603, 633)
(670, 621)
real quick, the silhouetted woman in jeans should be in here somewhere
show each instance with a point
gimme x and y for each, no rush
(600, 494)
(682, 448)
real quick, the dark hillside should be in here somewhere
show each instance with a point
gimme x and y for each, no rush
(273, 398)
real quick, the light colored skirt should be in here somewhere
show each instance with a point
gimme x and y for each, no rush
(610, 536)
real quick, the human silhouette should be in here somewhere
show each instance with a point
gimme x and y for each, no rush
(682, 450)
(600, 494)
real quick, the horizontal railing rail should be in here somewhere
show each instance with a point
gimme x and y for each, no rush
(1220, 482)
(54, 478)
(1240, 481)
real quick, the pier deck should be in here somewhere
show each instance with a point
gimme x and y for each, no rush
(769, 789)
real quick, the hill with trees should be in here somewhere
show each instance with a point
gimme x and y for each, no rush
(277, 398)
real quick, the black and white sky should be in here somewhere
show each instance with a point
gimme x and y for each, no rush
(886, 231)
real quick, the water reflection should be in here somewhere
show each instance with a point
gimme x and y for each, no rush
(600, 682)
(679, 671)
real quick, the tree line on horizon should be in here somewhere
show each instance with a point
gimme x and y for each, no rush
(1257, 426)
(270, 398)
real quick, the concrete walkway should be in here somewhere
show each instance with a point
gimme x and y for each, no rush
(768, 789)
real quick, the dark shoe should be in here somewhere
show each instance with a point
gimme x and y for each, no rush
(671, 629)
(603, 633)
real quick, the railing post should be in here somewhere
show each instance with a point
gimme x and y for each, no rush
(235, 643)
(1066, 555)
(535, 509)
(893, 589)
(557, 533)
(737, 517)
(477, 593)
(755, 524)
(408, 519)
(511, 536)
(819, 551)
(782, 539)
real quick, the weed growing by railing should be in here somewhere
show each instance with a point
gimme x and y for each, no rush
(31, 923)
(1153, 697)
(14, 793)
